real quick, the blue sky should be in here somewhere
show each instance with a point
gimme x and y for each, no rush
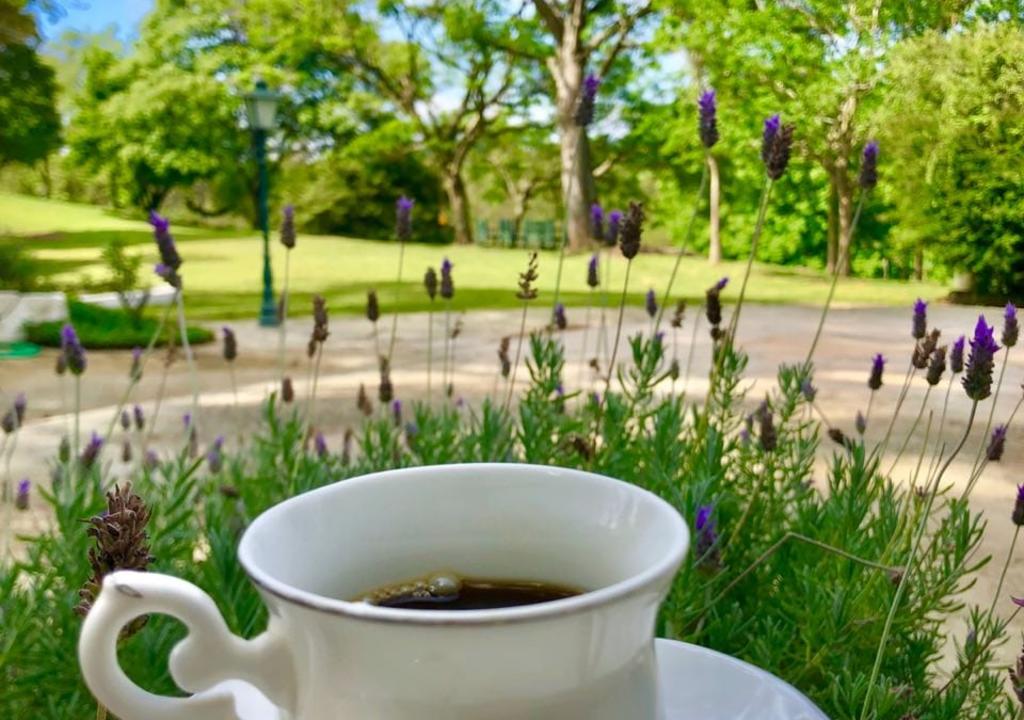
(93, 15)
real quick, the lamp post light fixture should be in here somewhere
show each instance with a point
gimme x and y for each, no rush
(261, 108)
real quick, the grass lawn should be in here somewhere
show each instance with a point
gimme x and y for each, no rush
(222, 269)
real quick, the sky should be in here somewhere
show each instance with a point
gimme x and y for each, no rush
(94, 15)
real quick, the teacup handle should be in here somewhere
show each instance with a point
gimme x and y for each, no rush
(208, 655)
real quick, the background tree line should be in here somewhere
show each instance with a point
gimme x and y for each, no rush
(467, 103)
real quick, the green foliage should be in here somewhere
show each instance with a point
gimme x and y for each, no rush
(124, 278)
(796, 582)
(18, 271)
(29, 125)
(102, 329)
(957, 118)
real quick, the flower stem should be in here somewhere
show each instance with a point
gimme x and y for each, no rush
(189, 360)
(991, 413)
(896, 411)
(586, 333)
(447, 333)
(234, 383)
(976, 475)
(1006, 567)
(515, 365)
(835, 281)
(397, 295)
(618, 337)
(689, 352)
(316, 380)
(682, 247)
(909, 565)
(430, 348)
(283, 327)
(758, 228)
(568, 217)
(913, 429)
(78, 420)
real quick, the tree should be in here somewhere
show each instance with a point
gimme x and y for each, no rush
(430, 65)
(955, 119)
(819, 62)
(570, 38)
(508, 160)
(29, 124)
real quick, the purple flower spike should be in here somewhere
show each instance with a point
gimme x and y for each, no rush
(559, 317)
(771, 131)
(74, 353)
(1018, 517)
(447, 284)
(593, 279)
(956, 356)
(320, 445)
(20, 406)
(288, 226)
(877, 366)
(21, 498)
(651, 303)
(614, 225)
(869, 166)
(707, 536)
(588, 99)
(139, 417)
(997, 445)
(396, 412)
(403, 218)
(919, 322)
(1011, 328)
(92, 451)
(708, 126)
(597, 221)
(169, 256)
(977, 380)
(720, 285)
(808, 390)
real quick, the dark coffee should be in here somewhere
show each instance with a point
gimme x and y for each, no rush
(447, 591)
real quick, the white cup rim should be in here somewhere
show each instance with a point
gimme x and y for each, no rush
(664, 568)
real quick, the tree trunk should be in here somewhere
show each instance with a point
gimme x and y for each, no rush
(458, 204)
(833, 230)
(919, 262)
(518, 214)
(714, 236)
(844, 209)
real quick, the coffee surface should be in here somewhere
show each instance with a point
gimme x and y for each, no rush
(447, 591)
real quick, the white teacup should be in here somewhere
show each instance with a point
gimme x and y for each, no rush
(588, 657)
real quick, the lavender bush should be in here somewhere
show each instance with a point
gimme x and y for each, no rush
(842, 584)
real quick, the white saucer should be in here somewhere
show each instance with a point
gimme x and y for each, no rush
(696, 684)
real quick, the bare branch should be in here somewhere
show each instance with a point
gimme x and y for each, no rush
(551, 17)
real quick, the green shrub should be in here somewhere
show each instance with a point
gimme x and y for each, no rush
(104, 329)
(18, 271)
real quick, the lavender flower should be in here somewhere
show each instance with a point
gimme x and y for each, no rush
(170, 260)
(74, 353)
(20, 406)
(403, 218)
(363, 401)
(860, 423)
(140, 417)
(126, 420)
(956, 356)
(396, 412)
(588, 97)
(559, 316)
(151, 460)
(877, 366)
(320, 329)
(936, 366)
(288, 227)
(708, 125)
(680, 312)
(215, 456)
(287, 390)
(776, 145)
(447, 284)
(430, 283)
(372, 306)
(21, 498)
(64, 449)
(126, 452)
(713, 302)
(528, 279)
(596, 221)
(766, 425)
(91, 451)
(385, 391)
(614, 227)
(135, 372)
(919, 323)
(808, 390)
(869, 166)
(707, 536)
(651, 303)
(997, 445)
(503, 356)
(1018, 508)
(592, 275)
(320, 445)
(1017, 675)
(346, 446)
(673, 369)
(632, 229)
(1011, 328)
(230, 344)
(977, 379)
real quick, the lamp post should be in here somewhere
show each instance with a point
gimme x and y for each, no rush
(261, 107)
